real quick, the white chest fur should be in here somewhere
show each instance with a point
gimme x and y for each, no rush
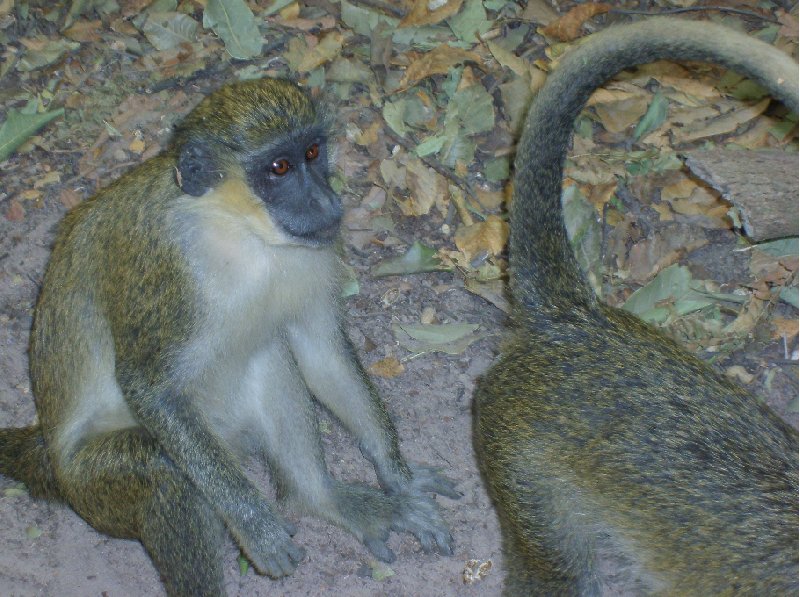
(252, 285)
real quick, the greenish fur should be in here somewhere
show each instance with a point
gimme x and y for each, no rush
(618, 462)
(176, 334)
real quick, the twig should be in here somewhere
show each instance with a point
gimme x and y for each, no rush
(447, 173)
(382, 6)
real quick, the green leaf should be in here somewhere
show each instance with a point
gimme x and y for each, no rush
(393, 113)
(451, 338)
(473, 107)
(671, 283)
(350, 286)
(165, 30)
(49, 53)
(585, 233)
(16, 491)
(380, 571)
(235, 25)
(244, 565)
(497, 169)
(276, 6)
(790, 295)
(33, 532)
(780, 248)
(417, 259)
(430, 145)
(654, 117)
(19, 127)
(362, 20)
(471, 19)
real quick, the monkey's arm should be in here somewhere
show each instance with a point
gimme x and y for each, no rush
(195, 449)
(336, 378)
(160, 370)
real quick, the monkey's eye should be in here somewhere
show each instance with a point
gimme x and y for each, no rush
(280, 167)
(312, 153)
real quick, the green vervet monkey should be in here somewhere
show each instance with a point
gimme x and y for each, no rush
(618, 462)
(188, 315)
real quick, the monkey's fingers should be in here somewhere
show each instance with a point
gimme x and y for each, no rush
(419, 516)
(289, 527)
(380, 550)
(429, 479)
(283, 562)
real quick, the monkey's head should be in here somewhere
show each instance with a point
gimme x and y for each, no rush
(268, 133)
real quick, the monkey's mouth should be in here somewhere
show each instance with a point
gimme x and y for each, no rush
(320, 237)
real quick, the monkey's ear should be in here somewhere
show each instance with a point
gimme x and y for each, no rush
(196, 169)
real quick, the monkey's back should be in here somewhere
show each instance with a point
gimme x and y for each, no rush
(101, 247)
(692, 494)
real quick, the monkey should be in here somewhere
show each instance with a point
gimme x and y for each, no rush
(188, 319)
(618, 463)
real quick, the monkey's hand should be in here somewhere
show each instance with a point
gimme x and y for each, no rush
(265, 540)
(419, 515)
(426, 479)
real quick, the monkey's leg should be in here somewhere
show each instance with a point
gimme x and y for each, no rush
(124, 485)
(292, 446)
(334, 374)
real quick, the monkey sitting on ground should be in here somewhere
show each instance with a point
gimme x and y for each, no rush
(618, 462)
(188, 314)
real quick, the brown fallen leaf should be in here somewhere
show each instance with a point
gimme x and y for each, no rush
(15, 211)
(84, 31)
(421, 14)
(489, 236)
(70, 198)
(727, 123)
(784, 328)
(436, 62)
(387, 368)
(569, 26)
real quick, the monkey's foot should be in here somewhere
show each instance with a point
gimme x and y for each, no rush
(428, 479)
(269, 547)
(419, 515)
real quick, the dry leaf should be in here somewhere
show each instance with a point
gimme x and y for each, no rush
(427, 188)
(15, 211)
(436, 62)
(726, 123)
(569, 26)
(788, 25)
(619, 115)
(421, 14)
(70, 198)
(784, 328)
(749, 317)
(740, 374)
(489, 236)
(369, 135)
(137, 146)
(84, 31)
(388, 367)
(539, 11)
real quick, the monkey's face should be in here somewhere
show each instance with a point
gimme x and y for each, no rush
(291, 177)
(268, 134)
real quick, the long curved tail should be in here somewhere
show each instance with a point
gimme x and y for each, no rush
(546, 279)
(23, 456)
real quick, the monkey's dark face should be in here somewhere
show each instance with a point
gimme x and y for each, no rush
(291, 177)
